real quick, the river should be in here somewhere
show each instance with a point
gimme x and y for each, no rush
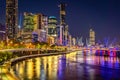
(73, 66)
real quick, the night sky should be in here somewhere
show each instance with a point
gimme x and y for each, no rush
(101, 15)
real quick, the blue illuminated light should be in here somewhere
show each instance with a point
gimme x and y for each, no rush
(52, 17)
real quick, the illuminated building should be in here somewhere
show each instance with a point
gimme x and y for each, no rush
(63, 23)
(29, 22)
(2, 32)
(80, 42)
(41, 27)
(92, 37)
(59, 34)
(28, 26)
(45, 22)
(34, 27)
(73, 41)
(44, 31)
(52, 27)
(11, 19)
(62, 13)
(87, 42)
(51, 40)
(41, 21)
(42, 36)
(34, 37)
(70, 40)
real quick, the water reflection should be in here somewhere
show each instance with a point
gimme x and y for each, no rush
(73, 66)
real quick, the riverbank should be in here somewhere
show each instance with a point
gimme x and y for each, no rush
(7, 54)
(15, 60)
(6, 66)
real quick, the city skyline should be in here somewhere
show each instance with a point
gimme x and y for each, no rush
(102, 15)
(59, 40)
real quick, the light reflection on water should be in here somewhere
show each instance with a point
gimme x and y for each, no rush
(73, 66)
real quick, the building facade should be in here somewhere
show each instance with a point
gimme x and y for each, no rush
(52, 28)
(29, 26)
(34, 27)
(11, 19)
(73, 41)
(63, 24)
(92, 38)
(2, 32)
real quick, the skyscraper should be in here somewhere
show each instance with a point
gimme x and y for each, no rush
(63, 24)
(62, 13)
(52, 25)
(52, 28)
(11, 19)
(92, 37)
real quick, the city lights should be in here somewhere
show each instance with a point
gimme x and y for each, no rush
(76, 40)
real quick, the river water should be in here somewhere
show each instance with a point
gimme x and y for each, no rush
(73, 66)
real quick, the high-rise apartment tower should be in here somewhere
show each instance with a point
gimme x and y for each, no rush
(11, 19)
(63, 24)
